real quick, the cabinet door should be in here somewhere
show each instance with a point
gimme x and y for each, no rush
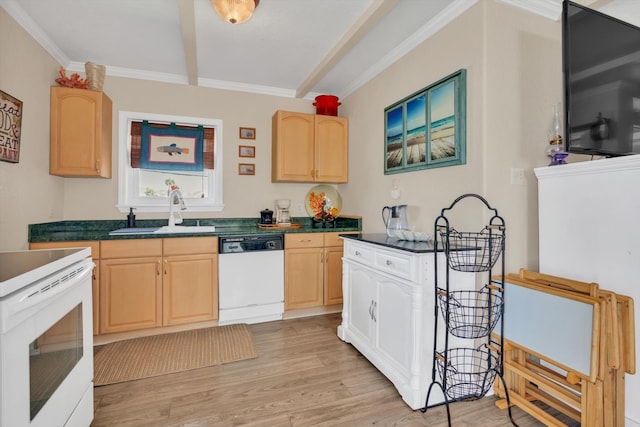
(362, 290)
(303, 278)
(331, 149)
(292, 147)
(394, 323)
(190, 288)
(80, 133)
(130, 294)
(333, 275)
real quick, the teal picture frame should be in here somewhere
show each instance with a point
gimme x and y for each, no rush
(427, 129)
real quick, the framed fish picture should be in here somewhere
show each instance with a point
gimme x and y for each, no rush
(427, 129)
(171, 148)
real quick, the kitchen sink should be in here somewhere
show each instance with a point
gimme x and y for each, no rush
(133, 231)
(185, 229)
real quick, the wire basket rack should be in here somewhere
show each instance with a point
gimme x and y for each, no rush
(472, 314)
(473, 251)
(469, 372)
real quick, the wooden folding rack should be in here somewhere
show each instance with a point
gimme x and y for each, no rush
(595, 398)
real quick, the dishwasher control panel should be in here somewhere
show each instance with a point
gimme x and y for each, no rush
(250, 243)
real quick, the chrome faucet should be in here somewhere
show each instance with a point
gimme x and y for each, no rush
(175, 198)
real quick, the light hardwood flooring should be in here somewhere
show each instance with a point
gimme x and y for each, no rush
(304, 376)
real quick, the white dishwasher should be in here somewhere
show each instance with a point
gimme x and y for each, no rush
(250, 278)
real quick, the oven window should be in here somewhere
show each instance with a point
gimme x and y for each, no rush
(52, 356)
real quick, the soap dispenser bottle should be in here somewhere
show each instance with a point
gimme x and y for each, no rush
(131, 219)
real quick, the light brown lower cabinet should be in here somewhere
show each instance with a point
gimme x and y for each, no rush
(148, 283)
(313, 269)
(190, 281)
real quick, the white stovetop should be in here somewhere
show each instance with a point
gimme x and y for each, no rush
(21, 268)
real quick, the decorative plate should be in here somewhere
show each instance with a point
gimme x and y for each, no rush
(323, 203)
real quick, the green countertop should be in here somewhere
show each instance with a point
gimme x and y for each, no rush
(62, 231)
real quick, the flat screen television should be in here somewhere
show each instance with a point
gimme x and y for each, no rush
(601, 64)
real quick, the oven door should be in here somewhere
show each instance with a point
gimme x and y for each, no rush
(46, 351)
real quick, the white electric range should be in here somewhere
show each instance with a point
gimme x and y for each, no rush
(46, 338)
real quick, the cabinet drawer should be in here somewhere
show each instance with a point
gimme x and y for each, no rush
(190, 245)
(333, 239)
(303, 240)
(130, 248)
(358, 253)
(93, 244)
(393, 263)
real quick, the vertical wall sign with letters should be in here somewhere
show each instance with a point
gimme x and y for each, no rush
(10, 121)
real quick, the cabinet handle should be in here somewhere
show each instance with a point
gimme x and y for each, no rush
(158, 267)
(389, 262)
(98, 165)
(358, 253)
(371, 309)
(166, 262)
(304, 240)
(373, 312)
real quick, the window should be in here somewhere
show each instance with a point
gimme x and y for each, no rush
(147, 190)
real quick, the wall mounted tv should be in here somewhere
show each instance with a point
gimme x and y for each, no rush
(601, 64)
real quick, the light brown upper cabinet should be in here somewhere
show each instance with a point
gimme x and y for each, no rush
(80, 133)
(309, 148)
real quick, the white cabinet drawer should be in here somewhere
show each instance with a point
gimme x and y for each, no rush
(360, 253)
(396, 264)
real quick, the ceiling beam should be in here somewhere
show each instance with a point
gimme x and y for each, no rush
(186, 10)
(371, 16)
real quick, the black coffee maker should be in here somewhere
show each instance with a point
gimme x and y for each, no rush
(266, 216)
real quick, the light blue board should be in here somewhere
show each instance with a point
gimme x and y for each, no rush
(553, 326)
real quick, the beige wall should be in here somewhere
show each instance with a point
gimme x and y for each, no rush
(244, 196)
(28, 194)
(513, 77)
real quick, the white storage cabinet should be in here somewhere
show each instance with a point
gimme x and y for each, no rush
(388, 313)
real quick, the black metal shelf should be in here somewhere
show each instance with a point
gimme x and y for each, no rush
(467, 373)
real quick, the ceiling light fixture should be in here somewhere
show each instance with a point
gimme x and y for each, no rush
(235, 11)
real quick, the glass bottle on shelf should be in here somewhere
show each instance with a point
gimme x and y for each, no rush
(555, 149)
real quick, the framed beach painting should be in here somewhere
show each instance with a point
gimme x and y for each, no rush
(427, 129)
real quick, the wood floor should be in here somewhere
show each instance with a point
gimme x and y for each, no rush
(304, 376)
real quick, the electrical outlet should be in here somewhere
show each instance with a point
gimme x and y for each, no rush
(517, 176)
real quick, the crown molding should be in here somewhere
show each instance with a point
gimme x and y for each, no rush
(550, 9)
(450, 13)
(245, 87)
(17, 13)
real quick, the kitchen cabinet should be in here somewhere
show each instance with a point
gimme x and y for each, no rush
(303, 270)
(190, 287)
(149, 283)
(95, 278)
(332, 272)
(309, 148)
(387, 295)
(130, 285)
(80, 133)
(313, 269)
(382, 316)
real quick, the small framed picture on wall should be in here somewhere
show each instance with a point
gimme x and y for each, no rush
(247, 151)
(246, 169)
(247, 133)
